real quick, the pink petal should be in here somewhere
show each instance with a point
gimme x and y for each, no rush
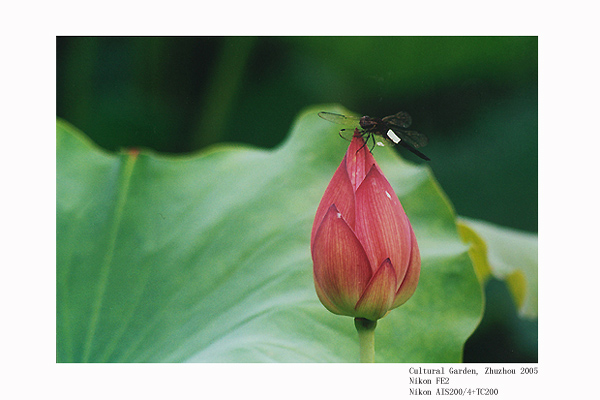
(322, 295)
(381, 224)
(411, 279)
(340, 266)
(378, 297)
(338, 192)
(358, 161)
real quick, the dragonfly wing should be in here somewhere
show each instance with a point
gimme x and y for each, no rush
(404, 141)
(414, 138)
(401, 119)
(418, 139)
(339, 118)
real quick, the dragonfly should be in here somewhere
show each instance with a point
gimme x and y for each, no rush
(393, 127)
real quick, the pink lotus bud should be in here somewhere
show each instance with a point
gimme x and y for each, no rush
(365, 255)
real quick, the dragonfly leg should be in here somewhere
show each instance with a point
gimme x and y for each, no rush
(372, 137)
(369, 136)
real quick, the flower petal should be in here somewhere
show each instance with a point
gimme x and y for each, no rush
(340, 265)
(381, 224)
(358, 160)
(378, 297)
(338, 192)
(411, 279)
(326, 302)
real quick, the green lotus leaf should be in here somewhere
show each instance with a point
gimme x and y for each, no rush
(206, 257)
(505, 254)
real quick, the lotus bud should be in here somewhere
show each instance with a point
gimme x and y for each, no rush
(366, 260)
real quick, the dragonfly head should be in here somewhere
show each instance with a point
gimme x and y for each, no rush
(367, 123)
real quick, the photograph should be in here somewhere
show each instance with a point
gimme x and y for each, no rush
(299, 199)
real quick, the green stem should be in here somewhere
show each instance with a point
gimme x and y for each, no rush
(366, 339)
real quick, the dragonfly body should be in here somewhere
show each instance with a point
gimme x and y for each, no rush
(392, 127)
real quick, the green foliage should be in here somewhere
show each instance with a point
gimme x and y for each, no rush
(474, 97)
(206, 258)
(508, 255)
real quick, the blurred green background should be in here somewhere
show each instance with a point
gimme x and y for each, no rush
(474, 97)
